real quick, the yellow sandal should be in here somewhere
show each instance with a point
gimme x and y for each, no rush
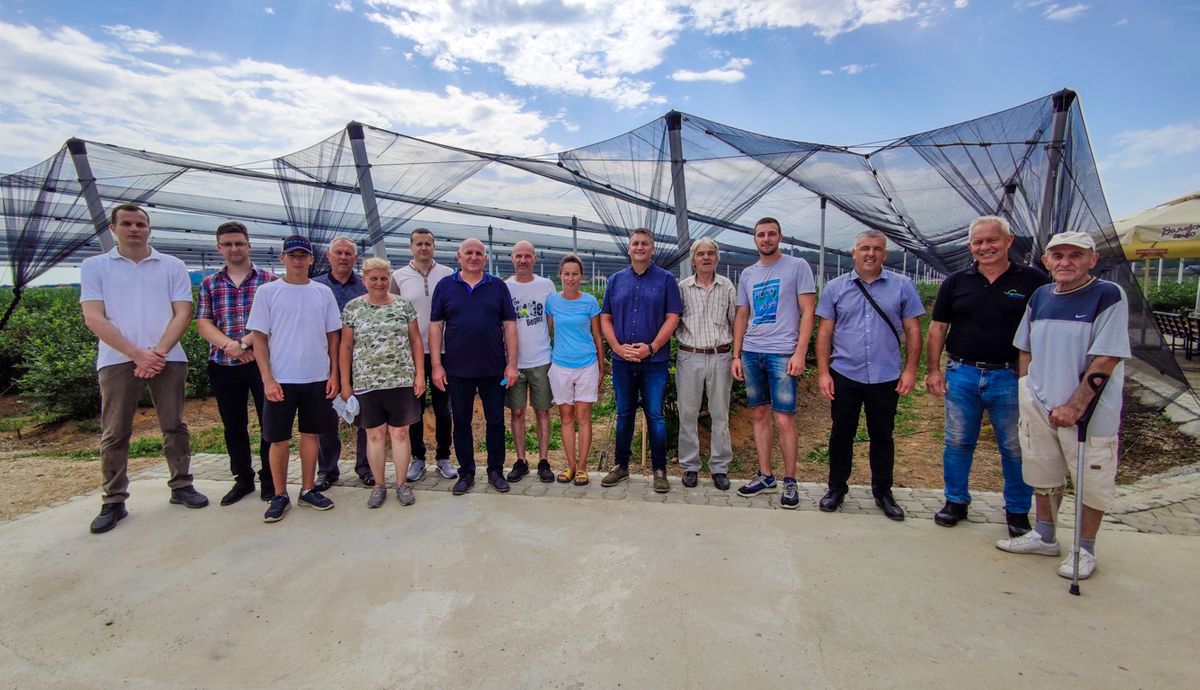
(581, 477)
(566, 476)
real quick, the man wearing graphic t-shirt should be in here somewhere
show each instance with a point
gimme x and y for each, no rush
(529, 292)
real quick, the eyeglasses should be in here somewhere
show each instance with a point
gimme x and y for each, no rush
(233, 245)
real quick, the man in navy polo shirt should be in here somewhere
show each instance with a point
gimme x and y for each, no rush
(472, 314)
(975, 316)
(640, 312)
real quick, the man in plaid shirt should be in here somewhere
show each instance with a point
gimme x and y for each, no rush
(221, 313)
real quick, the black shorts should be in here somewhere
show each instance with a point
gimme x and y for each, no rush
(316, 412)
(391, 406)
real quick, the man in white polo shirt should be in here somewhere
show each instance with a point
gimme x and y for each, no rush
(532, 387)
(138, 302)
(415, 283)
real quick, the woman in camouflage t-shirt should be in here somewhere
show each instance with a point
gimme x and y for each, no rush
(383, 366)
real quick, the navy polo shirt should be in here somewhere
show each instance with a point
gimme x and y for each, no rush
(343, 292)
(639, 304)
(984, 316)
(473, 324)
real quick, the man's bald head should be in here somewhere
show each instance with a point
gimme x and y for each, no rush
(471, 241)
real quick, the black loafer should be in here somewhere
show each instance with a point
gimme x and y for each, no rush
(110, 515)
(1018, 523)
(951, 514)
(721, 481)
(496, 479)
(690, 479)
(367, 479)
(239, 491)
(463, 485)
(323, 482)
(544, 472)
(188, 496)
(519, 470)
(889, 507)
(832, 500)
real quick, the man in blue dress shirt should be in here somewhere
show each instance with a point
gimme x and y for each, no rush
(640, 312)
(859, 364)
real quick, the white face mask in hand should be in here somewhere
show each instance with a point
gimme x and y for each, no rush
(346, 409)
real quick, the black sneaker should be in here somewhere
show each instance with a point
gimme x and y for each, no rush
(951, 514)
(188, 496)
(314, 499)
(110, 515)
(721, 481)
(544, 472)
(279, 505)
(1018, 523)
(520, 469)
(463, 485)
(496, 479)
(239, 491)
(690, 479)
(791, 495)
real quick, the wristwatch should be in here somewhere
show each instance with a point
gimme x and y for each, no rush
(650, 347)
(244, 345)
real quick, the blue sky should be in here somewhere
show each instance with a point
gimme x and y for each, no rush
(235, 81)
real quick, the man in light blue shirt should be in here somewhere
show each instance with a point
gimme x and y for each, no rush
(859, 364)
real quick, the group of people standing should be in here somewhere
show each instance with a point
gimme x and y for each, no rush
(370, 345)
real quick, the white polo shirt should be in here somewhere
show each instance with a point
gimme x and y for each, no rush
(418, 289)
(137, 298)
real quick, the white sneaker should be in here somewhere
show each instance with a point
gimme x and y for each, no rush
(447, 469)
(1030, 542)
(416, 470)
(1087, 565)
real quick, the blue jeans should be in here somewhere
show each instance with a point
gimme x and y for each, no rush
(970, 391)
(647, 381)
(768, 383)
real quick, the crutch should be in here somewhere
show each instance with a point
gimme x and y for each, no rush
(1096, 381)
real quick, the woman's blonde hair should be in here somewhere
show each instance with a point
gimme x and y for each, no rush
(376, 262)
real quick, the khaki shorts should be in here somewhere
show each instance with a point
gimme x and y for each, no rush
(532, 387)
(1049, 454)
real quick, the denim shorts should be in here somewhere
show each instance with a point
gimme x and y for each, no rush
(767, 382)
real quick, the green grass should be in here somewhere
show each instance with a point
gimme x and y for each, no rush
(25, 422)
(553, 443)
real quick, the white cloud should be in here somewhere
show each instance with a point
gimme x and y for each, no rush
(855, 69)
(1141, 148)
(146, 41)
(269, 10)
(60, 83)
(959, 4)
(1122, 21)
(828, 18)
(731, 72)
(343, 6)
(1057, 13)
(826, 73)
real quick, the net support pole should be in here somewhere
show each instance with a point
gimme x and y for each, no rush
(678, 185)
(1054, 152)
(821, 261)
(903, 265)
(366, 189)
(574, 235)
(491, 253)
(91, 195)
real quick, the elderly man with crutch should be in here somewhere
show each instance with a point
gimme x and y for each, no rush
(1073, 336)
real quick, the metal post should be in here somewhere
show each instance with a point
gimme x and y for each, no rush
(1054, 151)
(821, 261)
(904, 263)
(91, 195)
(1180, 278)
(839, 264)
(1160, 271)
(366, 189)
(491, 253)
(675, 140)
(574, 235)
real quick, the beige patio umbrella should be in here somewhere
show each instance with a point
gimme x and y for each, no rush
(1168, 231)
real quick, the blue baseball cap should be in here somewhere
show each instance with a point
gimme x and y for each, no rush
(297, 242)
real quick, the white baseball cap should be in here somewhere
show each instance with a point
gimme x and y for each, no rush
(1074, 239)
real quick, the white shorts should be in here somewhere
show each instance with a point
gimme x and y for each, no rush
(1049, 454)
(574, 385)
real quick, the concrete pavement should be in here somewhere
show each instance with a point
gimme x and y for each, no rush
(510, 591)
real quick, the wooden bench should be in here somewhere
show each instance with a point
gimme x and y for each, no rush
(1181, 329)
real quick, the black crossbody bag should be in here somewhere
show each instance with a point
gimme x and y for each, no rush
(863, 289)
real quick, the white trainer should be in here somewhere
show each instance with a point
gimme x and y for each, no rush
(1030, 542)
(1087, 565)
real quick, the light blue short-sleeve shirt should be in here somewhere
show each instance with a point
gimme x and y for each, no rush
(864, 348)
(770, 293)
(573, 344)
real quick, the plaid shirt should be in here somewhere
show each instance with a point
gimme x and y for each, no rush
(228, 305)
(707, 321)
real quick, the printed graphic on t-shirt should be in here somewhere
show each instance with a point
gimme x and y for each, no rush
(765, 296)
(530, 312)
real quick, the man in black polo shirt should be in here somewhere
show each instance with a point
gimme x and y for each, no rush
(472, 313)
(980, 307)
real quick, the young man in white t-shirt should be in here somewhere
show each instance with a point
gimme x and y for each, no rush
(296, 326)
(138, 303)
(415, 283)
(529, 292)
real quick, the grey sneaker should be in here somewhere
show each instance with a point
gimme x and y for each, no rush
(416, 470)
(405, 494)
(378, 496)
(446, 469)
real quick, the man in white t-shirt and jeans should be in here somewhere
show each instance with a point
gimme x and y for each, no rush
(297, 326)
(415, 283)
(529, 292)
(138, 302)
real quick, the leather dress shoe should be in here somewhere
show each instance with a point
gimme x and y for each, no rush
(323, 482)
(496, 479)
(367, 479)
(951, 514)
(239, 491)
(520, 469)
(463, 485)
(1018, 523)
(721, 481)
(889, 507)
(690, 479)
(110, 515)
(832, 500)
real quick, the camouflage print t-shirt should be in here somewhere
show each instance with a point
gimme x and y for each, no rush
(383, 357)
